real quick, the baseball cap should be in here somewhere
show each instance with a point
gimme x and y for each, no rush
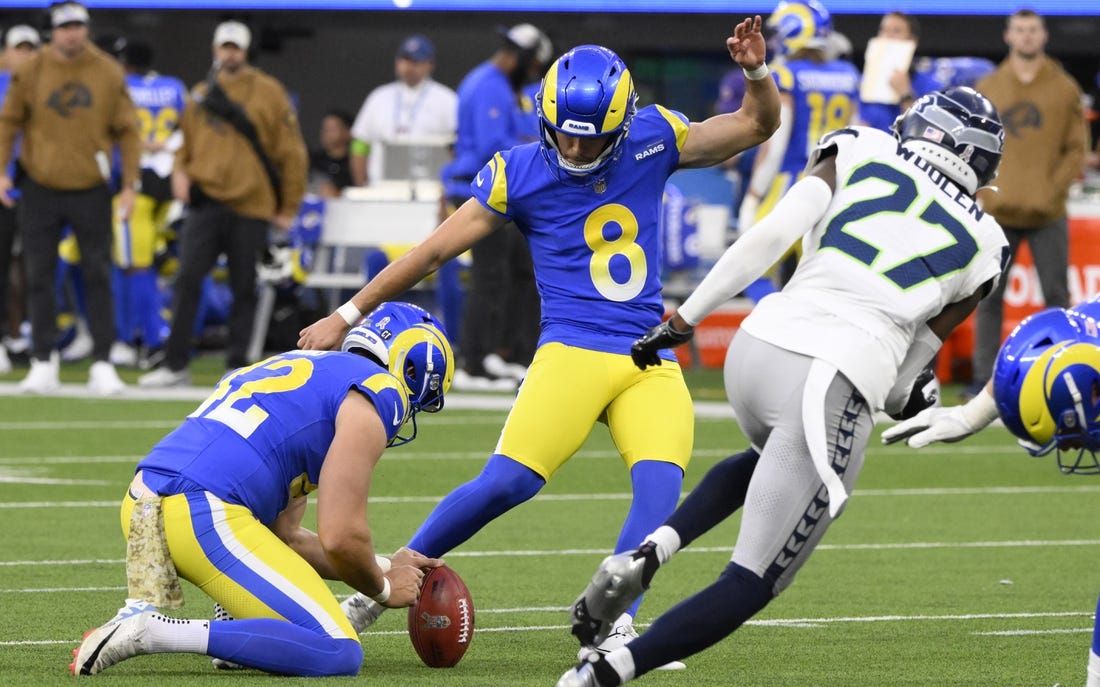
(529, 38)
(20, 34)
(232, 32)
(68, 13)
(417, 48)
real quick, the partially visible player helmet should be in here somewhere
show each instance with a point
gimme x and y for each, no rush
(798, 24)
(1060, 405)
(421, 357)
(1088, 315)
(958, 131)
(1029, 340)
(586, 93)
(373, 334)
(410, 342)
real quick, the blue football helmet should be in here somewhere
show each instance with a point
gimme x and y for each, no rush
(409, 341)
(1088, 313)
(1028, 341)
(798, 25)
(587, 92)
(958, 131)
(1060, 406)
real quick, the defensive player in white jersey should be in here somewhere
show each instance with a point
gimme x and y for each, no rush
(896, 252)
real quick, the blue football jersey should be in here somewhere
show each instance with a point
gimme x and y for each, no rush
(260, 438)
(825, 96)
(596, 248)
(159, 100)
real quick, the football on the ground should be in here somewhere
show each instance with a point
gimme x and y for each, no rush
(441, 622)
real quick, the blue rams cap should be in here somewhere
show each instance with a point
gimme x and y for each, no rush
(417, 48)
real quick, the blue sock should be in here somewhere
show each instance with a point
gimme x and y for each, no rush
(124, 323)
(701, 620)
(1096, 631)
(285, 648)
(502, 485)
(716, 497)
(656, 490)
(145, 307)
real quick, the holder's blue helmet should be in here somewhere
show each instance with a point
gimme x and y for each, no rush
(410, 342)
(958, 131)
(1029, 340)
(1060, 406)
(797, 24)
(587, 92)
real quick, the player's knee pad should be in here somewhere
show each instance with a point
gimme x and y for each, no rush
(510, 482)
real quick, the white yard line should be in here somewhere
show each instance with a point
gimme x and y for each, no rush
(621, 496)
(894, 546)
(774, 622)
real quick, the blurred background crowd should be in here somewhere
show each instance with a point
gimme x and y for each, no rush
(139, 228)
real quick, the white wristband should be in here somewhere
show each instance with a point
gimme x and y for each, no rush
(384, 595)
(350, 313)
(980, 410)
(383, 563)
(756, 74)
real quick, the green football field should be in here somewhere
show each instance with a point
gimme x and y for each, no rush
(967, 564)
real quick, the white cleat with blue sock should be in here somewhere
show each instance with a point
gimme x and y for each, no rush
(120, 638)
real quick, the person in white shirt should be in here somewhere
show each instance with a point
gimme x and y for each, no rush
(413, 107)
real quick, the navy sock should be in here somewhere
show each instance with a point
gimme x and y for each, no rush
(701, 620)
(502, 485)
(717, 496)
(281, 647)
(656, 487)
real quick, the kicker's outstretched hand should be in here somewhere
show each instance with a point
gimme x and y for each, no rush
(746, 45)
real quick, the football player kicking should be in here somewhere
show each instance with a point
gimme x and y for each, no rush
(231, 484)
(1048, 371)
(587, 198)
(896, 254)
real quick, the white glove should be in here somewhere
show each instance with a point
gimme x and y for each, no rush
(930, 425)
(944, 424)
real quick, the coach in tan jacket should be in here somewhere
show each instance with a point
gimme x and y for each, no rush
(1046, 140)
(72, 108)
(231, 196)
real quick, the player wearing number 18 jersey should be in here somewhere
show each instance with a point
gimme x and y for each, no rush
(587, 199)
(819, 95)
